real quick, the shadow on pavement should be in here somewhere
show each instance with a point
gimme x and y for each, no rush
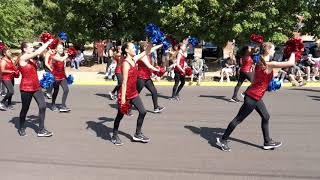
(103, 131)
(31, 122)
(216, 97)
(305, 89)
(316, 98)
(102, 95)
(160, 96)
(211, 135)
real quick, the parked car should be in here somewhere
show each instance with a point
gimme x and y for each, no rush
(210, 51)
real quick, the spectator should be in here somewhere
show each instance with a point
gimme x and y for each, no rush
(100, 45)
(197, 69)
(228, 61)
(315, 55)
(77, 60)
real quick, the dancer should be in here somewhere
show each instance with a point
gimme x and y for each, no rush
(30, 87)
(145, 69)
(253, 97)
(8, 70)
(128, 92)
(58, 64)
(245, 71)
(179, 71)
(118, 59)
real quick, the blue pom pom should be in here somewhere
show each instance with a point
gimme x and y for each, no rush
(70, 79)
(156, 36)
(63, 36)
(47, 80)
(193, 41)
(256, 58)
(274, 84)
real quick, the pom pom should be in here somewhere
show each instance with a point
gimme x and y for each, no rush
(256, 58)
(63, 36)
(257, 38)
(70, 79)
(156, 36)
(161, 71)
(294, 45)
(2, 46)
(193, 41)
(72, 52)
(274, 84)
(188, 71)
(54, 43)
(47, 80)
(45, 37)
(125, 108)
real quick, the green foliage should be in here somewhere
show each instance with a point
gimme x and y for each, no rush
(212, 20)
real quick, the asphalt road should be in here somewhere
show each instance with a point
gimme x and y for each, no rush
(182, 138)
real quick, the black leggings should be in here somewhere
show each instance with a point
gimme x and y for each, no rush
(243, 76)
(177, 78)
(248, 106)
(64, 85)
(26, 98)
(119, 79)
(150, 86)
(9, 85)
(142, 113)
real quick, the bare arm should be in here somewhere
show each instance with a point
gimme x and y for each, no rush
(46, 61)
(285, 64)
(125, 70)
(26, 57)
(147, 63)
(146, 52)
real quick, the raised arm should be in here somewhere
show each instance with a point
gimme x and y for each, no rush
(148, 51)
(289, 63)
(26, 57)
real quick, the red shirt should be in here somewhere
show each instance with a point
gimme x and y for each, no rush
(10, 67)
(260, 83)
(131, 91)
(246, 64)
(118, 59)
(58, 70)
(29, 81)
(182, 60)
(144, 71)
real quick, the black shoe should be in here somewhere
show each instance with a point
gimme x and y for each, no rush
(44, 133)
(141, 138)
(234, 100)
(158, 109)
(54, 108)
(22, 132)
(64, 109)
(271, 145)
(10, 107)
(223, 145)
(116, 140)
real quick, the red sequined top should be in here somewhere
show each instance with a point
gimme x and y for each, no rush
(118, 59)
(29, 81)
(260, 83)
(58, 70)
(182, 61)
(10, 67)
(144, 71)
(131, 91)
(246, 65)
